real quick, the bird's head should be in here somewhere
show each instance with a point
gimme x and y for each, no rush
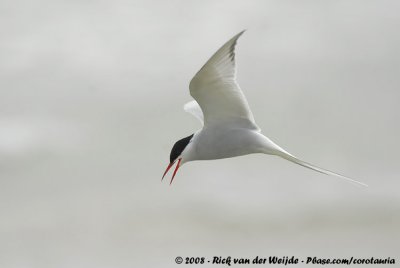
(177, 155)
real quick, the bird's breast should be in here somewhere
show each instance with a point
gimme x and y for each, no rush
(217, 143)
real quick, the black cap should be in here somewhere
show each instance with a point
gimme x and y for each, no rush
(178, 148)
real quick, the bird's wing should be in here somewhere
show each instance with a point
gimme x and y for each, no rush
(215, 89)
(193, 108)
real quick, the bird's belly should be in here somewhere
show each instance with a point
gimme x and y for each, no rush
(217, 144)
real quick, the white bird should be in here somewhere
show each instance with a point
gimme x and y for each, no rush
(229, 128)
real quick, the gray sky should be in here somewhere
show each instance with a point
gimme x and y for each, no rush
(91, 96)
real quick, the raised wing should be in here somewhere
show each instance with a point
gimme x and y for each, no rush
(193, 108)
(215, 89)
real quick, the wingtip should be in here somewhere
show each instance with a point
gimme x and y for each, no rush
(236, 36)
(240, 33)
(232, 43)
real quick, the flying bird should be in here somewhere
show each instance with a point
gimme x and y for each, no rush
(229, 128)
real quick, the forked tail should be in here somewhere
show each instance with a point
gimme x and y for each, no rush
(321, 170)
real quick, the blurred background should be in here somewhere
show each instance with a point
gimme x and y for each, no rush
(91, 96)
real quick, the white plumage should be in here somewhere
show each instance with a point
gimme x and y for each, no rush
(229, 128)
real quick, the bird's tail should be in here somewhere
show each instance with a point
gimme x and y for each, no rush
(321, 170)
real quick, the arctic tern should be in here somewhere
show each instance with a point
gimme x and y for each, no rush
(229, 129)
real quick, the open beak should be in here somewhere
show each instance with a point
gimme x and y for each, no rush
(176, 169)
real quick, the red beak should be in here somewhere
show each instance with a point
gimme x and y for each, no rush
(176, 169)
(169, 166)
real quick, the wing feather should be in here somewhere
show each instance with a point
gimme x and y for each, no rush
(215, 89)
(193, 108)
